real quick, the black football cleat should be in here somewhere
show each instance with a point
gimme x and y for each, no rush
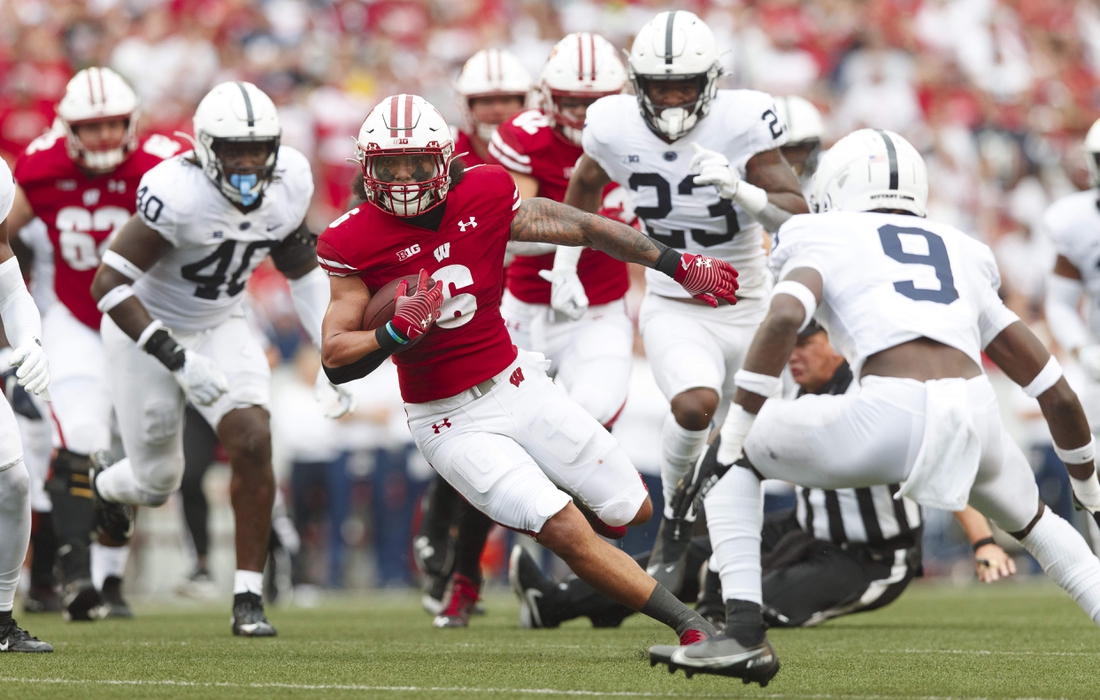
(720, 656)
(435, 560)
(113, 520)
(464, 597)
(80, 601)
(668, 561)
(42, 599)
(15, 639)
(113, 603)
(248, 617)
(531, 587)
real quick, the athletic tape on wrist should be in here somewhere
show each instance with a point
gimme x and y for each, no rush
(148, 333)
(1087, 491)
(803, 294)
(750, 197)
(114, 297)
(1047, 377)
(122, 266)
(1079, 455)
(760, 384)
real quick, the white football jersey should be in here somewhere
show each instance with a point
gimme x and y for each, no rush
(1073, 223)
(892, 278)
(198, 284)
(7, 190)
(680, 214)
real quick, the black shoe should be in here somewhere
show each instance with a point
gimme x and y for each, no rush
(669, 557)
(435, 560)
(42, 599)
(113, 604)
(248, 617)
(13, 638)
(531, 587)
(80, 601)
(113, 520)
(720, 656)
(711, 606)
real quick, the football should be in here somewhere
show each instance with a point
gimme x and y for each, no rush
(380, 307)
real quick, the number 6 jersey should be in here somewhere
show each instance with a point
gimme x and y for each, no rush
(892, 278)
(677, 212)
(215, 247)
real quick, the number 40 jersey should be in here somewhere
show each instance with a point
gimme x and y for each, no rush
(216, 247)
(676, 211)
(892, 278)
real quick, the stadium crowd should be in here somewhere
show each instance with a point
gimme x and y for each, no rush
(997, 96)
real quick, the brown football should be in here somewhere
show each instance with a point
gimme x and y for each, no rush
(380, 307)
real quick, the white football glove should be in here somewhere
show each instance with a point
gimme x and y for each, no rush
(714, 169)
(337, 400)
(34, 368)
(567, 295)
(1089, 357)
(201, 378)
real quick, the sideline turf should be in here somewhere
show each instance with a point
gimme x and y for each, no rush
(1007, 641)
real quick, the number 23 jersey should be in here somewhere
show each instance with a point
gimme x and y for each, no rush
(892, 278)
(215, 247)
(677, 212)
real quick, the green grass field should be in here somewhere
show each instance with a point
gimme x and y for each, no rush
(1008, 641)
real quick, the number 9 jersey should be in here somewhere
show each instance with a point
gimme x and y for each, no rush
(216, 247)
(892, 278)
(677, 212)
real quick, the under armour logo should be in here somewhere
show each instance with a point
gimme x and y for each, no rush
(516, 377)
(463, 224)
(440, 426)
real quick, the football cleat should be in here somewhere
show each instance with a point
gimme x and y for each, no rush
(42, 599)
(531, 587)
(13, 638)
(113, 603)
(435, 588)
(464, 597)
(720, 656)
(80, 601)
(248, 617)
(669, 558)
(113, 520)
(199, 585)
(434, 559)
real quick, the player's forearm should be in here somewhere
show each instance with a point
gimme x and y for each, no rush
(586, 185)
(771, 347)
(545, 221)
(1069, 428)
(345, 348)
(974, 524)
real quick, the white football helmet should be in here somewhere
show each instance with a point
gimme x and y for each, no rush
(871, 169)
(674, 45)
(97, 95)
(805, 127)
(489, 73)
(1092, 151)
(405, 126)
(237, 112)
(582, 65)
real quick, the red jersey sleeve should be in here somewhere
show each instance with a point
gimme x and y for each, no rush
(513, 141)
(329, 245)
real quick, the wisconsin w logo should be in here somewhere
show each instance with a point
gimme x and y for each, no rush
(442, 252)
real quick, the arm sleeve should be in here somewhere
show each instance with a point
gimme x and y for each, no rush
(22, 324)
(7, 191)
(1063, 318)
(310, 296)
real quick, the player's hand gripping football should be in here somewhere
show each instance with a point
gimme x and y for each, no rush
(201, 378)
(336, 399)
(707, 278)
(34, 369)
(714, 169)
(567, 295)
(413, 315)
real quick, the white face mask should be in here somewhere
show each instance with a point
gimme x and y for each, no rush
(102, 161)
(672, 120)
(485, 131)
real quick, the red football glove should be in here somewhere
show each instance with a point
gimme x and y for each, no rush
(414, 315)
(706, 278)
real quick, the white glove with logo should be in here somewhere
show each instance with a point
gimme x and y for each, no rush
(336, 399)
(714, 169)
(567, 295)
(201, 378)
(34, 369)
(1089, 357)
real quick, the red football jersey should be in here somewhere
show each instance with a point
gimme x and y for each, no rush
(469, 343)
(82, 211)
(463, 144)
(528, 144)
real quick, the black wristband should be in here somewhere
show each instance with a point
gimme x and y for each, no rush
(390, 339)
(983, 542)
(669, 261)
(164, 347)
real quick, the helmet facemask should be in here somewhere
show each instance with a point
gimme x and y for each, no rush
(242, 167)
(674, 120)
(406, 182)
(486, 128)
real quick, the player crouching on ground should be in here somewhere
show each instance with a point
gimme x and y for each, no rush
(206, 219)
(912, 304)
(484, 415)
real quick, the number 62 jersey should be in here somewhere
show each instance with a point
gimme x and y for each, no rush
(892, 278)
(676, 211)
(216, 247)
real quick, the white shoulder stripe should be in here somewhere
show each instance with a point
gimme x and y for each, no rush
(512, 153)
(508, 162)
(333, 263)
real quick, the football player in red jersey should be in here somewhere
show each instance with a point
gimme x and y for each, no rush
(81, 178)
(485, 415)
(590, 351)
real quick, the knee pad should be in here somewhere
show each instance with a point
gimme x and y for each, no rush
(15, 482)
(161, 421)
(87, 436)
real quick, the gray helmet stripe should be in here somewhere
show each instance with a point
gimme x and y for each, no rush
(892, 156)
(668, 37)
(247, 104)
